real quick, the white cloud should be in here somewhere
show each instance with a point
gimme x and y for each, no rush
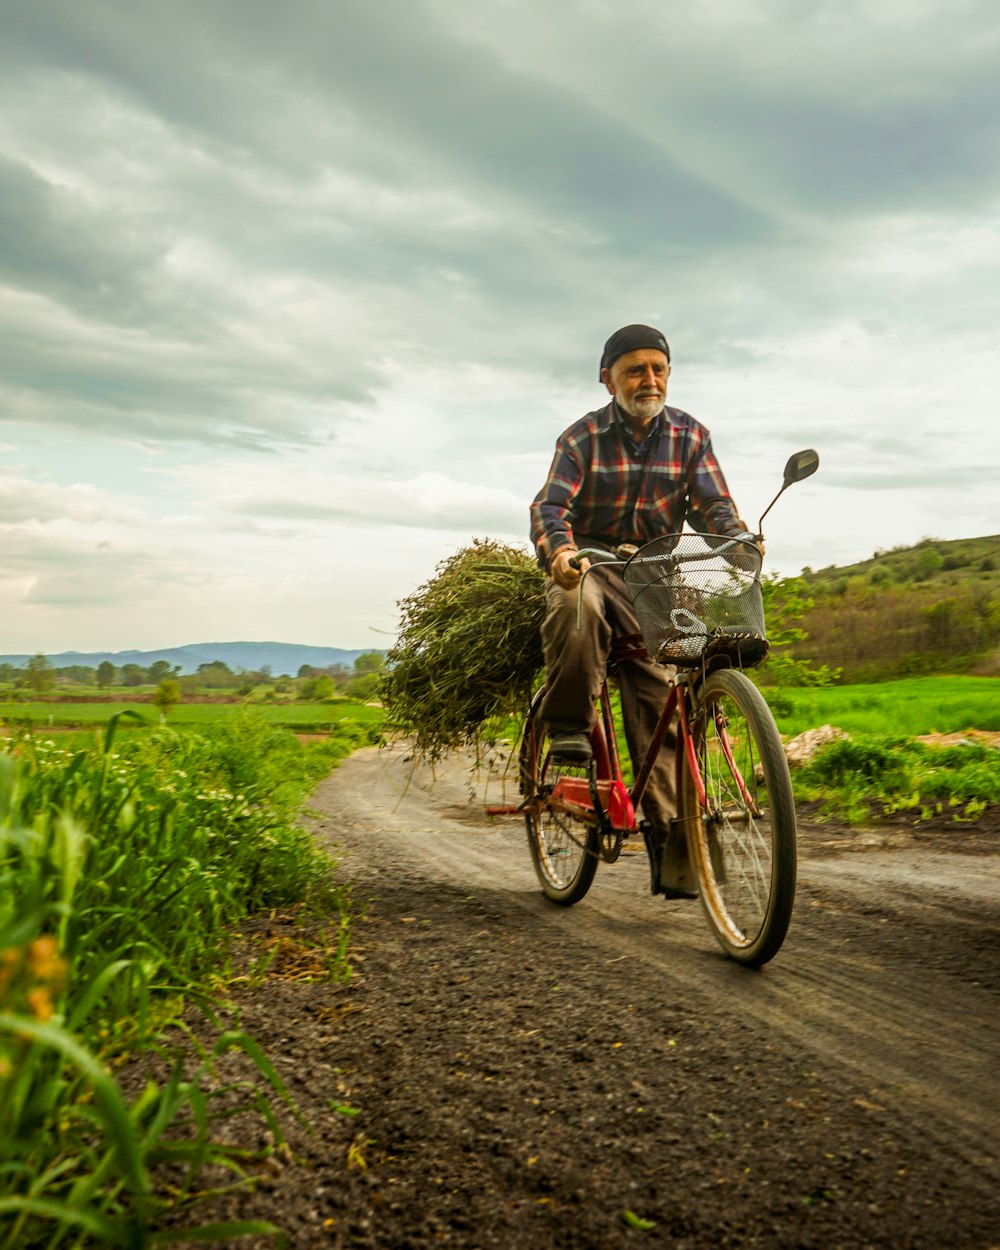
(427, 501)
(23, 500)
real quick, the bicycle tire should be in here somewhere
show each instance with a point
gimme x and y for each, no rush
(564, 849)
(744, 853)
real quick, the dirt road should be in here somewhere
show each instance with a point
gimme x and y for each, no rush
(506, 1073)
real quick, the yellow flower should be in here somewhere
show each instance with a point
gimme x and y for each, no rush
(44, 959)
(40, 1001)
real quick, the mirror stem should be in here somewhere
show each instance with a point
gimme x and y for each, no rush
(768, 509)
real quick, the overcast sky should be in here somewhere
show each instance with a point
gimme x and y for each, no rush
(295, 298)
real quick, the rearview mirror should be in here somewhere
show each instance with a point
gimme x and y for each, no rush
(803, 464)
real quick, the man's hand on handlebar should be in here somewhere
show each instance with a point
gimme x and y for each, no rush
(756, 539)
(563, 572)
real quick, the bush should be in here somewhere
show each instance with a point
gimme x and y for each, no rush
(857, 779)
(847, 760)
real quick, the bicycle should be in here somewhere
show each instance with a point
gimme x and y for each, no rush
(698, 602)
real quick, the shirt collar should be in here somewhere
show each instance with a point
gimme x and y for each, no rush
(616, 417)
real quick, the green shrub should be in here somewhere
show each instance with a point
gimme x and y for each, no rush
(857, 779)
(847, 760)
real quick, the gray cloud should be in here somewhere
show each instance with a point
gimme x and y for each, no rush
(60, 570)
(123, 384)
(326, 252)
(424, 196)
(430, 500)
(818, 106)
(56, 244)
(440, 107)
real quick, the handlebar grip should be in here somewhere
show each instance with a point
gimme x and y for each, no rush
(596, 555)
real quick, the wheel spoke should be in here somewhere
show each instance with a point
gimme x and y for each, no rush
(563, 846)
(562, 839)
(743, 840)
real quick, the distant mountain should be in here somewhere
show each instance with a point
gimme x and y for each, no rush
(280, 657)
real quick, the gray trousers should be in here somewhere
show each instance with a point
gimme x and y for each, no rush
(575, 663)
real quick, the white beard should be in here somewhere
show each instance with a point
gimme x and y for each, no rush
(641, 409)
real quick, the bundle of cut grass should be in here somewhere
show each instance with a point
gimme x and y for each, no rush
(469, 648)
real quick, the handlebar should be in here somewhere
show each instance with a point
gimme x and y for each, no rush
(626, 551)
(598, 555)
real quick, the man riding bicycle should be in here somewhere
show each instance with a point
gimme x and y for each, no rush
(624, 474)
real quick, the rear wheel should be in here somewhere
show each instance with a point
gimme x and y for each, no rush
(742, 840)
(564, 848)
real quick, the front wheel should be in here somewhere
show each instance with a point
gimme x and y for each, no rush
(564, 849)
(742, 839)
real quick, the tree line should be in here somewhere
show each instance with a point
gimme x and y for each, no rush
(40, 677)
(930, 608)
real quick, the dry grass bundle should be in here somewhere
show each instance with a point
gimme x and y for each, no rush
(469, 648)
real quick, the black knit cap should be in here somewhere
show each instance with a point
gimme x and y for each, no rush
(632, 339)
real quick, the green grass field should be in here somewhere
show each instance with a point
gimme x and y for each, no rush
(881, 768)
(908, 708)
(318, 717)
(895, 709)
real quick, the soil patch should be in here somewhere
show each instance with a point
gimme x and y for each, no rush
(902, 829)
(982, 737)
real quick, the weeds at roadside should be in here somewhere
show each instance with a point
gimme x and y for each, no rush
(856, 779)
(123, 874)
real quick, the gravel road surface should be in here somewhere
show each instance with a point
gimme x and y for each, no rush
(501, 1072)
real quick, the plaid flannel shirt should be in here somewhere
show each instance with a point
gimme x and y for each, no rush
(604, 489)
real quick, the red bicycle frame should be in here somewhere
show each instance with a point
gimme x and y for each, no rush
(618, 804)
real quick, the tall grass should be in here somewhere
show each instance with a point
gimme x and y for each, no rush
(122, 873)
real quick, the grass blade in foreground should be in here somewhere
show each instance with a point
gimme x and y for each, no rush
(121, 877)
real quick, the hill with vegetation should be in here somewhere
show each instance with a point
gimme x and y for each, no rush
(933, 607)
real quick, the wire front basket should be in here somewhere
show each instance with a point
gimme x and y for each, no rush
(696, 596)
